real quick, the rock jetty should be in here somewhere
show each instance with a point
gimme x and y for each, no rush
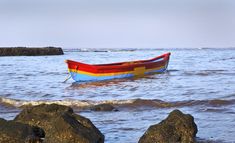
(176, 128)
(27, 51)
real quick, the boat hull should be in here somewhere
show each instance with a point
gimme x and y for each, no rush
(84, 72)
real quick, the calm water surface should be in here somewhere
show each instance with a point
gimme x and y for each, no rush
(200, 82)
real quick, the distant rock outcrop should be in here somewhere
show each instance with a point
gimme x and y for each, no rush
(176, 128)
(14, 132)
(61, 124)
(103, 107)
(24, 51)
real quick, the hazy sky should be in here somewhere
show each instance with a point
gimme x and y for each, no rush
(117, 23)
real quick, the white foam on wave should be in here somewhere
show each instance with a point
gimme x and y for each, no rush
(66, 102)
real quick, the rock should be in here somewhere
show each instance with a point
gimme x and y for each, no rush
(103, 107)
(61, 124)
(23, 51)
(14, 132)
(176, 128)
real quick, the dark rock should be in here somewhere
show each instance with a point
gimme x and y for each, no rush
(23, 51)
(14, 132)
(103, 107)
(176, 128)
(61, 124)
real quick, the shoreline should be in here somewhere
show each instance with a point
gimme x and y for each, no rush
(41, 110)
(58, 123)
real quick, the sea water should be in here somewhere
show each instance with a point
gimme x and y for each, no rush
(200, 82)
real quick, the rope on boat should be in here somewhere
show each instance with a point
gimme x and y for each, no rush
(68, 77)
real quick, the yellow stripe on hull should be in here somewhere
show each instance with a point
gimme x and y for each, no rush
(137, 71)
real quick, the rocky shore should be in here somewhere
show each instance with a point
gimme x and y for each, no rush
(59, 124)
(49, 124)
(30, 51)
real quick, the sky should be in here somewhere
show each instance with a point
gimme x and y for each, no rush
(118, 23)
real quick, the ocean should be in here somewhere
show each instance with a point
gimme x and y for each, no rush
(200, 82)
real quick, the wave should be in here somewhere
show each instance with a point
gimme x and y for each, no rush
(202, 72)
(131, 103)
(173, 70)
(102, 50)
(67, 102)
(208, 72)
(164, 104)
(223, 59)
(138, 49)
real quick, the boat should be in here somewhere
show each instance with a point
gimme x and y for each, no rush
(86, 72)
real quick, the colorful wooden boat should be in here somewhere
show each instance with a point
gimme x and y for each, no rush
(86, 72)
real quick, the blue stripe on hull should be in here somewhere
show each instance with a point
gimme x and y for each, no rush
(83, 77)
(156, 71)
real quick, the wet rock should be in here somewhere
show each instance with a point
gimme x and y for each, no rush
(14, 132)
(176, 128)
(103, 107)
(61, 124)
(23, 51)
